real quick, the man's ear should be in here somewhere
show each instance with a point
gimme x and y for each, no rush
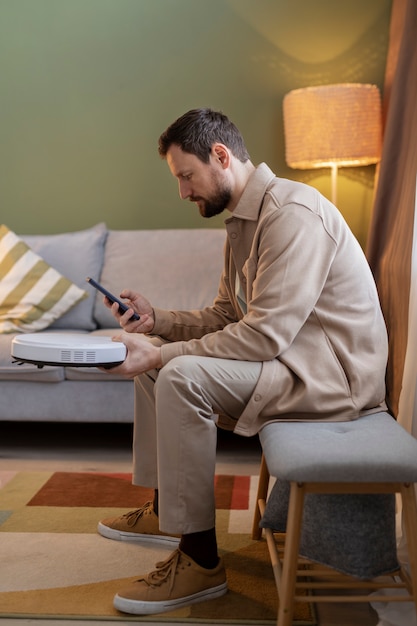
(221, 154)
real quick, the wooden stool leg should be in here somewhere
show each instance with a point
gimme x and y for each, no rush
(261, 495)
(410, 524)
(291, 549)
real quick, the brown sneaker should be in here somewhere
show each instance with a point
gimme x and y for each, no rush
(139, 525)
(175, 583)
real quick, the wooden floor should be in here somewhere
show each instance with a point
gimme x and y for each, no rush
(88, 447)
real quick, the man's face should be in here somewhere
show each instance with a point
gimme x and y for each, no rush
(203, 183)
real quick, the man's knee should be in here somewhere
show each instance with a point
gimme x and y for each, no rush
(179, 368)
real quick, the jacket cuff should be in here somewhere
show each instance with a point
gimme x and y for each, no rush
(163, 322)
(171, 350)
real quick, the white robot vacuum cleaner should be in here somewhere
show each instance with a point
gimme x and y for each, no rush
(67, 349)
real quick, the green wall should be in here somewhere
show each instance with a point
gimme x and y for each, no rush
(87, 86)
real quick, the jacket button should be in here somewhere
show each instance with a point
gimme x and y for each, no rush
(257, 397)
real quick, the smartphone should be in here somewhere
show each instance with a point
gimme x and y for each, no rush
(123, 307)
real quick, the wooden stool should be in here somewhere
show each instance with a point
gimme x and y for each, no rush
(371, 455)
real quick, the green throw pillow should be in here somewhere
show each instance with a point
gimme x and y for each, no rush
(32, 293)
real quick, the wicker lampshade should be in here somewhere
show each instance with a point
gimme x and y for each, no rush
(332, 125)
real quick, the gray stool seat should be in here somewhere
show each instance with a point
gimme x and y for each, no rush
(374, 448)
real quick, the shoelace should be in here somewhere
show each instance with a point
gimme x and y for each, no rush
(133, 516)
(166, 570)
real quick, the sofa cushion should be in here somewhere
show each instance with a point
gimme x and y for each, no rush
(33, 293)
(76, 255)
(178, 280)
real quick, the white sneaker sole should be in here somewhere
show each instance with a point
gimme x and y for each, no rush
(139, 607)
(120, 535)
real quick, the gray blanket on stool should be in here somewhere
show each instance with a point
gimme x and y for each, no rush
(354, 534)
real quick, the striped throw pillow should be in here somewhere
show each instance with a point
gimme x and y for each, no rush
(32, 293)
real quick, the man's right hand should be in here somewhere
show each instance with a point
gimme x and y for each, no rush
(137, 304)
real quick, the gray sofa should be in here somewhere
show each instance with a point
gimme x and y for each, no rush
(175, 269)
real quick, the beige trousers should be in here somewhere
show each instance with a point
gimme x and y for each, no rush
(175, 433)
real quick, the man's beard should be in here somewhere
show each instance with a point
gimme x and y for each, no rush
(217, 203)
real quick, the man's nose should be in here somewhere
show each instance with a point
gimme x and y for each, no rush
(184, 189)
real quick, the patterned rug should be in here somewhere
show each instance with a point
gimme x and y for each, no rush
(54, 564)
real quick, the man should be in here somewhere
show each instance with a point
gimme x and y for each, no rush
(295, 332)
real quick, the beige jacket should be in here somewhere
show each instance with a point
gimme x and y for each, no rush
(313, 316)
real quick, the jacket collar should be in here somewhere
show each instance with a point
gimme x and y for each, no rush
(252, 197)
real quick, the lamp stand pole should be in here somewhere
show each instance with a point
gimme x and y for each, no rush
(333, 168)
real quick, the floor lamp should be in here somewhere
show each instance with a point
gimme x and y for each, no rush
(332, 126)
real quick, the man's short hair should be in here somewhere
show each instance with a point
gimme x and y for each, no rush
(197, 130)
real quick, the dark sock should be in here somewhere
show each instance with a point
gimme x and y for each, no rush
(201, 547)
(155, 502)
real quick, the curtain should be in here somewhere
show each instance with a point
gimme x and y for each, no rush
(392, 254)
(391, 231)
(407, 410)
(395, 614)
